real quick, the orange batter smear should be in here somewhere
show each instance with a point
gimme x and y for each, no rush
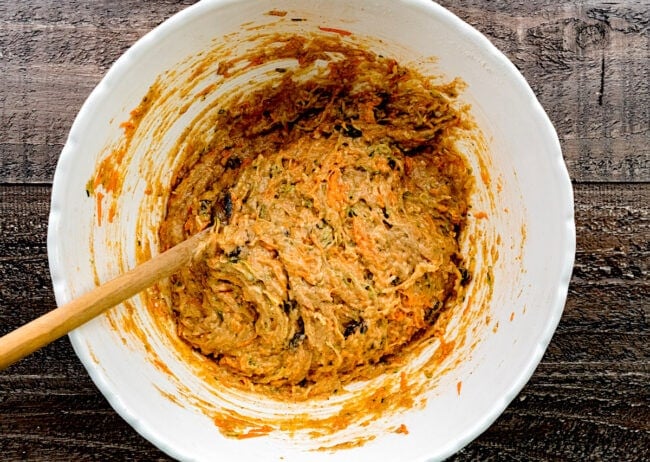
(402, 430)
(342, 32)
(99, 196)
(129, 127)
(356, 442)
(239, 428)
(399, 388)
(256, 432)
(162, 366)
(485, 175)
(391, 396)
(109, 174)
(112, 210)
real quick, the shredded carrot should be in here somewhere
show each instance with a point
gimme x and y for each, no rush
(403, 383)
(397, 315)
(361, 239)
(335, 190)
(459, 385)
(512, 316)
(366, 112)
(480, 215)
(328, 208)
(409, 164)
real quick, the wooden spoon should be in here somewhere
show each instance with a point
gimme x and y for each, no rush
(58, 322)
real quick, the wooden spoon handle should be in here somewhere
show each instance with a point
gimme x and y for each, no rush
(58, 322)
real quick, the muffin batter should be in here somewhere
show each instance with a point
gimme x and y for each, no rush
(338, 200)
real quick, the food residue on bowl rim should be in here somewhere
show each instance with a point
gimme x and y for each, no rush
(403, 388)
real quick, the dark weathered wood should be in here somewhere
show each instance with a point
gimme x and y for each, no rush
(52, 54)
(588, 62)
(588, 399)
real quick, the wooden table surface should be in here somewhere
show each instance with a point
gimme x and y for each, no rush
(589, 64)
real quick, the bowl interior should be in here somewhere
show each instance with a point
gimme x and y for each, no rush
(529, 228)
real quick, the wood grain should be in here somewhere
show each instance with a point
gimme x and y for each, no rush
(587, 61)
(52, 56)
(58, 322)
(588, 399)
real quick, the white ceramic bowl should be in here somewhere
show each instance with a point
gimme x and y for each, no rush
(531, 211)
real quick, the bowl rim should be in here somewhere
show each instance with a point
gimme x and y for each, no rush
(142, 45)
